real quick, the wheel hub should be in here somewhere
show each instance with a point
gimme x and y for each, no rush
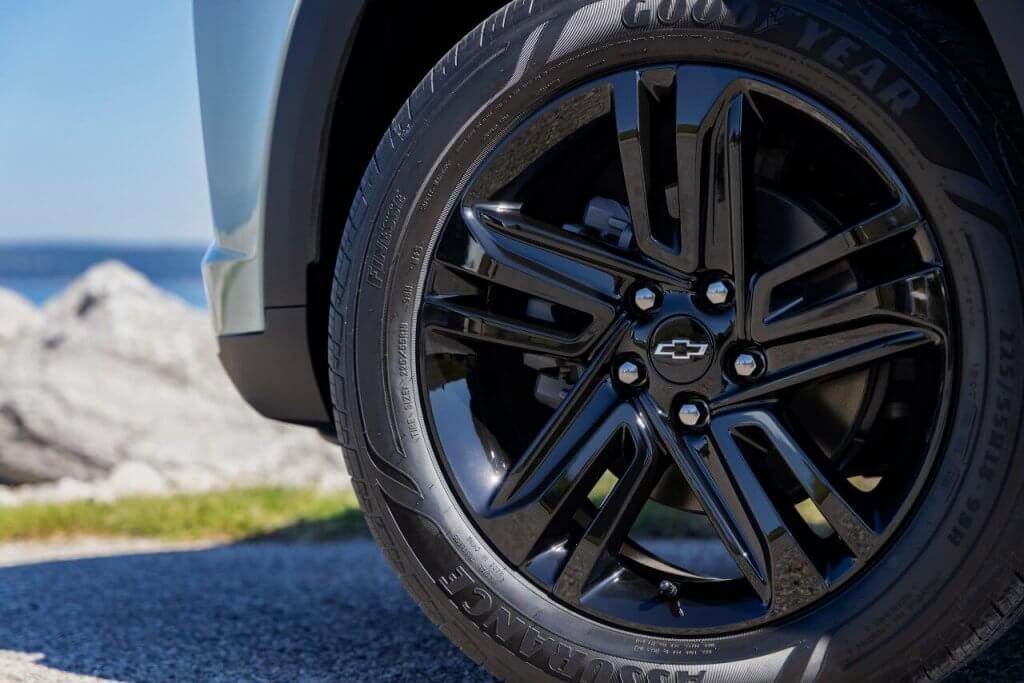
(681, 350)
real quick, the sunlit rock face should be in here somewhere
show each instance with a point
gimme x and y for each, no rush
(17, 317)
(116, 384)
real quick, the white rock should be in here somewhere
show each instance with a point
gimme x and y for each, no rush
(117, 373)
(8, 497)
(66, 488)
(17, 316)
(135, 478)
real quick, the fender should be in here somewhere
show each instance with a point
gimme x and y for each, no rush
(268, 95)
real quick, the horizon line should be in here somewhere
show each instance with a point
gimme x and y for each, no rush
(100, 243)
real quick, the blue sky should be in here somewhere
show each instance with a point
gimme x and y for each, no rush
(100, 137)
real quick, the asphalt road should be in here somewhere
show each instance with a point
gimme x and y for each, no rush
(255, 612)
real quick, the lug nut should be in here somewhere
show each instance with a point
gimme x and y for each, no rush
(719, 293)
(645, 299)
(749, 364)
(628, 372)
(693, 414)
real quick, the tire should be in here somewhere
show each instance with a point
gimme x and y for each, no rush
(948, 580)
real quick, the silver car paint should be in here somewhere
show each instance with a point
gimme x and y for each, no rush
(240, 51)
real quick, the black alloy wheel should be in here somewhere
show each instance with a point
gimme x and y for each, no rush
(676, 314)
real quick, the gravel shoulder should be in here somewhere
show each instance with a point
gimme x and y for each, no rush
(140, 611)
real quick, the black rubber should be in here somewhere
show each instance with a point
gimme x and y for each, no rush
(929, 98)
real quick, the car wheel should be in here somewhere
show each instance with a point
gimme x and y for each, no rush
(678, 341)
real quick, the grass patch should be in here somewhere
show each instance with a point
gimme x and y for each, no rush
(254, 513)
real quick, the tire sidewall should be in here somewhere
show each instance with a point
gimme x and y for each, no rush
(941, 563)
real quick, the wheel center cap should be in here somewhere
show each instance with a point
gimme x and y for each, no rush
(682, 350)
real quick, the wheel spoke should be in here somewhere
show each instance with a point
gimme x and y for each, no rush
(744, 516)
(898, 297)
(906, 299)
(715, 127)
(556, 489)
(613, 520)
(801, 362)
(914, 301)
(538, 274)
(728, 185)
(793, 579)
(700, 98)
(718, 496)
(445, 316)
(511, 263)
(571, 414)
(885, 225)
(830, 493)
(509, 220)
(632, 104)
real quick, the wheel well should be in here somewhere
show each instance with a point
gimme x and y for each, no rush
(391, 54)
(965, 13)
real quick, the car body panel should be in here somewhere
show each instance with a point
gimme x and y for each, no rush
(239, 60)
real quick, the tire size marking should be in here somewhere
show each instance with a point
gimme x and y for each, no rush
(998, 438)
(408, 398)
(431, 192)
(654, 647)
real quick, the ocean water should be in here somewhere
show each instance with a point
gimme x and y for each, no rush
(40, 271)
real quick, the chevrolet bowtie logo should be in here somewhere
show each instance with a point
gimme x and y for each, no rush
(681, 349)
